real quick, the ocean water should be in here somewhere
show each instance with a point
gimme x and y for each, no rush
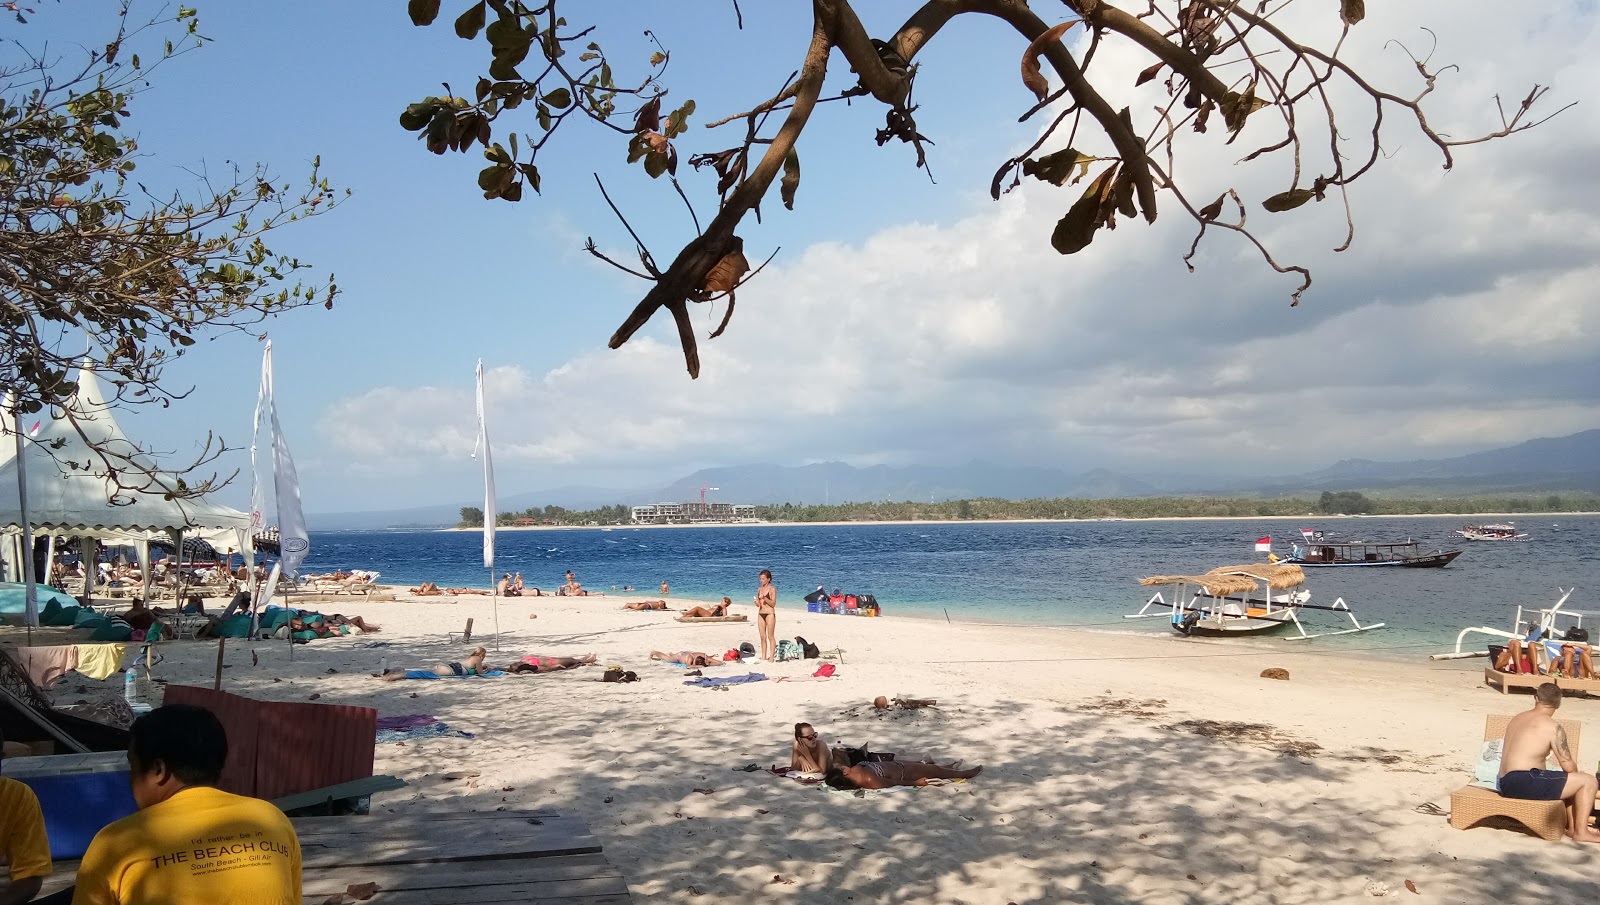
(1059, 574)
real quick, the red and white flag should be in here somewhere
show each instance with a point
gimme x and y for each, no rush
(1264, 545)
(1306, 533)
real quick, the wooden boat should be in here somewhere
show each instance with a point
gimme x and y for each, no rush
(1551, 623)
(1505, 531)
(1357, 553)
(1239, 600)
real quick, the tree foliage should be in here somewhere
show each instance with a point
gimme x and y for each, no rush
(90, 257)
(471, 517)
(1213, 67)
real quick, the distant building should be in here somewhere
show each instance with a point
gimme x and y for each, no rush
(679, 513)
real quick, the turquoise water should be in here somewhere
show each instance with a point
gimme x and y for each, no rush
(1068, 573)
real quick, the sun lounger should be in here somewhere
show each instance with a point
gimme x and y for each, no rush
(713, 619)
(1505, 681)
(1471, 804)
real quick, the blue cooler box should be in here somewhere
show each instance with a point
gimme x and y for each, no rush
(79, 794)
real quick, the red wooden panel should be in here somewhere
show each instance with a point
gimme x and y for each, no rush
(239, 717)
(279, 748)
(300, 747)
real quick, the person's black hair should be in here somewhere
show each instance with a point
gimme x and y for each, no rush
(188, 740)
(768, 573)
(836, 779)
(798, 727)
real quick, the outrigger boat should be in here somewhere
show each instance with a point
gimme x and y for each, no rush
(1357, 553)
(1523, 626)
(1506, 531)
(1239, 600)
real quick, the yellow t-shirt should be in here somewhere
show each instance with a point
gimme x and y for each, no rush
(22, 837)
(200, 845)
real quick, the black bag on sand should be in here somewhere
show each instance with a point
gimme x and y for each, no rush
(746, 649)
(809, 651)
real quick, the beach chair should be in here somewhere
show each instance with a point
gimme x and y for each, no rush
(1470, 805)
(465, 635)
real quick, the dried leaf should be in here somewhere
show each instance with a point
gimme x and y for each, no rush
(335, 899)
(1353, 11)
(362, 891)
(791, 178)
(1288, 201)
(727, 273)
(1032, 77)
(423, 12)
(1056, 168)
(1214, 209)
(648, 119)
(1410, 886)
(1075, 231)
(1146, 75)
(1236, 106)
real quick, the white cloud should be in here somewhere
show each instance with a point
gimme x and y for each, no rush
(1464, 317)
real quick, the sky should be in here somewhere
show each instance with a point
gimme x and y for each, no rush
(904, 319)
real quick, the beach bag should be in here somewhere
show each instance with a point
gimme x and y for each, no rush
(807, 649)
(817, 596)
(730, 656)
(746, 649)
(1577, 634)
(788, 650)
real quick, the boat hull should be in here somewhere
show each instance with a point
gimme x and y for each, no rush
(1429, 561)
(1229, 626)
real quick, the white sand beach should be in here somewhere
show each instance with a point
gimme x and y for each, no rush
(1117, 767)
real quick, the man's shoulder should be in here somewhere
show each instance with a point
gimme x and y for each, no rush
(13, 791)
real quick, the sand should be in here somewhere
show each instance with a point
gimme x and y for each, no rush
(1117, 767)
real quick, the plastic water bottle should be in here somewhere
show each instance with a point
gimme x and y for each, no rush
(130, 685)
(383, 666)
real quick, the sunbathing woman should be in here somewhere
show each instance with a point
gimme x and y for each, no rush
(688, 658)
(458, 591)
(537, 663)
(471, 666)
(890, 773)
(427, 589)
(645, 605)
(700, 612)
(810, 754)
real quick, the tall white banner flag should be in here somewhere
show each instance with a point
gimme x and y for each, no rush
(293, 540)
(488, 478)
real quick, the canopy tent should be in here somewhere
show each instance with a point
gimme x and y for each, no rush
(71, 489)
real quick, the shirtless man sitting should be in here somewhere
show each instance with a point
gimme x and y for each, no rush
(688, 658)
(1531, 737)
(645, 605)
(890, 773)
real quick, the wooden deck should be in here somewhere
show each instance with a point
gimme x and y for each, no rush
(486, 858)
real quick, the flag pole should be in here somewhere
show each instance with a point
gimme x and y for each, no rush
(489, 515)
(30, 593)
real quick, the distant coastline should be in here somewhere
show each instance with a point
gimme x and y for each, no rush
(1036, 521)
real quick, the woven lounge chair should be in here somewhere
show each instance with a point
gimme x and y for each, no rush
(1469, 805)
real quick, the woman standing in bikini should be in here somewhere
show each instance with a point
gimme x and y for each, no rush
(767, 616)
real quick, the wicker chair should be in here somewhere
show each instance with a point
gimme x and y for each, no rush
(1469, 805)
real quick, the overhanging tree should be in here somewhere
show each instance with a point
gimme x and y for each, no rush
(92, 258)
(1213, 66)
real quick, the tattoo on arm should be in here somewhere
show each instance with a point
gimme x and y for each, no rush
(1562, 754)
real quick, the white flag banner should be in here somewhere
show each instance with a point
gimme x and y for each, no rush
(293, 540)
(489, 514)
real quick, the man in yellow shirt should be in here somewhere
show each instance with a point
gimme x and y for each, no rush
(189, 841)
(22, 840)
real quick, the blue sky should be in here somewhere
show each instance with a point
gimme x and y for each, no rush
(903, 320)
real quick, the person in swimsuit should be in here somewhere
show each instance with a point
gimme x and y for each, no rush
(471, 666)
(688, 658)
(537, 663)
(665, 590)
(700, 612)
(810, 753)
(767, 615)
(885, 774)
(1533, 736)
(645, 605)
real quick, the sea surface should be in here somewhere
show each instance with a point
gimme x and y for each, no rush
(1049, 574)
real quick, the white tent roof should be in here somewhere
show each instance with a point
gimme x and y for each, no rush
(78, 501)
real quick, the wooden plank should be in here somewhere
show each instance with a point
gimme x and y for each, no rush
(355, 788)
(324, 851)
(344, 824)
(612, 899)
(370, 829)
(496, 880)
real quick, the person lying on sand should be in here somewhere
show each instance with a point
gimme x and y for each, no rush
(471, 666)
(457, 591)
(427, 589)
(700, 612)
(810, 754)
(645, 605)
(537, 663)
(1532, 736)
(886, 774)
(688, 658)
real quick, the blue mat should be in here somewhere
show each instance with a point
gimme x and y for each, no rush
(430, 674)
(437, 730)
(713, 682)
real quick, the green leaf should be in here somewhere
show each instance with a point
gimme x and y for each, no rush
(506, 34)
(423, 12)
(1288, 201)
(416, 117)
(544, 117)
(560, 98)
(1058, 167)
(504, 68)
(605, 75)
(471, 21)
(678, 121)
(512, 192)
(483, 88)
(498, 154)
(532, 172)
(588, 55)
(791, 178)
(655, 163)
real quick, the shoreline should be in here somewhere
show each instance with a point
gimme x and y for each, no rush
(1018, 521)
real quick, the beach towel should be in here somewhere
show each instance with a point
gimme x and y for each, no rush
(415, 726)
(100, 661)
(46, 665)
(430, 674)
(709, 682)
(407, 721)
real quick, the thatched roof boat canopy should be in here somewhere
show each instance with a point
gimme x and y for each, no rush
(1225, 581)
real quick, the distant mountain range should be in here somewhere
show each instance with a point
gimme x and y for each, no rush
(1555, 464)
